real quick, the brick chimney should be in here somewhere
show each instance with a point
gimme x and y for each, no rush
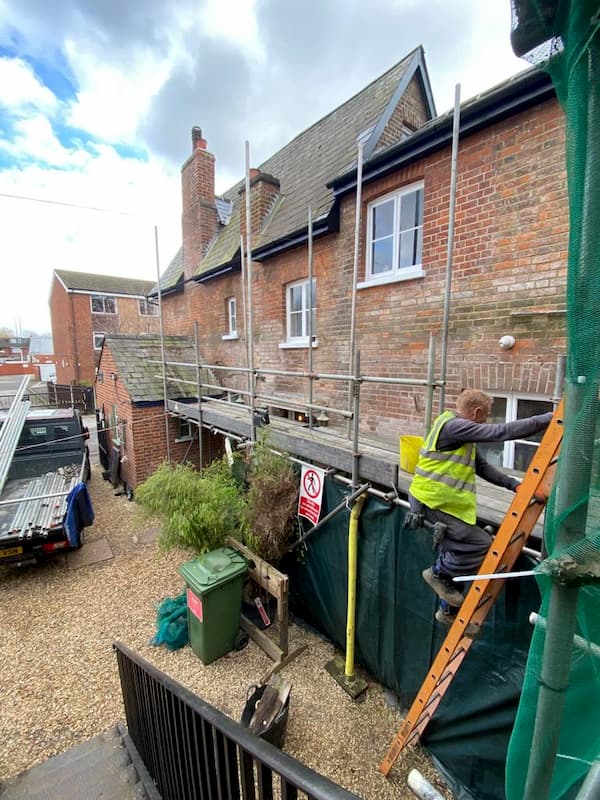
(264, 189)
(199, 214)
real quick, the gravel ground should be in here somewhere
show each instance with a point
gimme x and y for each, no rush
(60, 684)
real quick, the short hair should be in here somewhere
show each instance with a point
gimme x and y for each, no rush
(470, 399)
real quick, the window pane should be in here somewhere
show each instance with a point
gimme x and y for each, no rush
(408, 211)
(494, 451)
(97, 304)
(296, 324)
(109, 304)
(527, 408)
(383, 253)
(383, 219)
(295, 298)
(523, 455)
(408, 249)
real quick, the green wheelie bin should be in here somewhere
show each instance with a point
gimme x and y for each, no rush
(214, 601)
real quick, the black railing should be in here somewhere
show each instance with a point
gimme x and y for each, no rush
(194, 752)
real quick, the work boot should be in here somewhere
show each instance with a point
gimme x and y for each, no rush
(443, 587)
(448, 618)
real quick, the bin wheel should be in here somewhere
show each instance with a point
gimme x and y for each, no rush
(241, 640)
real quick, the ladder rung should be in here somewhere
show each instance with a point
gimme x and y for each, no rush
(508, 543)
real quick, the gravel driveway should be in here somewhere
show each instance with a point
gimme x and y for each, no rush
(60, 684)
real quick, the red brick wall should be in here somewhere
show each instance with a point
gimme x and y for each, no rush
(73, 325)
(509, 275)
(410, 111)
(144, 431)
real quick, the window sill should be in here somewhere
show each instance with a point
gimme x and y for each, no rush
(297, 344)
(397, 277)
(184, 439)
(229, 337)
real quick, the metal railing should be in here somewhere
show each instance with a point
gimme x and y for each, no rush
(193, 751)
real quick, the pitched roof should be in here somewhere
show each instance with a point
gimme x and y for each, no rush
(171, 277)
(102, 284)
(134, 356)
(315, 157)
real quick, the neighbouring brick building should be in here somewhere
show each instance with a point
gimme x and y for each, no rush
(509, 255)
(129, 401)
(85, 307)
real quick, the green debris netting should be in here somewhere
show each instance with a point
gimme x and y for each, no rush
(397, 637)
(557, 734)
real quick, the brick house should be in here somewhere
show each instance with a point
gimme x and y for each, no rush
(509, 255)
(85, 307)
(130, 407)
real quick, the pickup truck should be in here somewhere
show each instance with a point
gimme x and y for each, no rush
(50, 459)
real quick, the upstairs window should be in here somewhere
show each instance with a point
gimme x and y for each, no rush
(98, 339)
(299, 299)
(103, 304)
(147, 307)
(395, 236)
(231, 311)
(516, 454)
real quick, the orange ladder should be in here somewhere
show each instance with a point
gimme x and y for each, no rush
(510, 539)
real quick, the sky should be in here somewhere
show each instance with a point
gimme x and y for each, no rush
(98, 98)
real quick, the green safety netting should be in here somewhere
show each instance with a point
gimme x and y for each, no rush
(397, 637)
(556, 737)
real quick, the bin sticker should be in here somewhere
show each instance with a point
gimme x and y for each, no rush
(194, 605)
(311, 493)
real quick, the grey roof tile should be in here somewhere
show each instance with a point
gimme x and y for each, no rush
(305, 165)
(134, 356)
(103, 284)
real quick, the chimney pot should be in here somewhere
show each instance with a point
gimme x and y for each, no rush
(198, 142)
(254, 173)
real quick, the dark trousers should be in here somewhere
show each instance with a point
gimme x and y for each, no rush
(463, 547)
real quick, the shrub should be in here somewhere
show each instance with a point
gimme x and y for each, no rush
(271, 501)
(197, 511)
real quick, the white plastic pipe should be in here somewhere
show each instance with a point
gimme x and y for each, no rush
(421, 787)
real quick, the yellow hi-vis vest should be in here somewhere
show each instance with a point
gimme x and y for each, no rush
(446, 480)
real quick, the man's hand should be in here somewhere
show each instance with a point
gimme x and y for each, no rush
(413, 520)
(539, 496)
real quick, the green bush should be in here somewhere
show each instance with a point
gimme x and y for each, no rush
(197, 511)
(271, 501)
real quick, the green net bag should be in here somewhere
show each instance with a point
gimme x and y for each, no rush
(555, 747)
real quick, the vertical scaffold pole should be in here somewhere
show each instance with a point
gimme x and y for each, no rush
(162, 343)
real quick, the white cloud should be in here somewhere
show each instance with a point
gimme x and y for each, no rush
(21, 89)
(110, 100)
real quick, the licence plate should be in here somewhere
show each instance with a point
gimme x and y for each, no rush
(11, 551)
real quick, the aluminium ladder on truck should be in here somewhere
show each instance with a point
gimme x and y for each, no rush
(508, 542)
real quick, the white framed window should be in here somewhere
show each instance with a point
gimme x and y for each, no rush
(231, 310)
(147, 307)
(516, 454)
(185, 430)
(298, 301)
(98, 339)
(103, 304)
(395, 236)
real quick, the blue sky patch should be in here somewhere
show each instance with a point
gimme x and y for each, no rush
(53, 72)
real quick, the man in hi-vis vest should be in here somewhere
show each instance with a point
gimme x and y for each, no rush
(443, 489)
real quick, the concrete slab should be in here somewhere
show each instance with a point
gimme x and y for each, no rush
(90, 553)
(149, 536)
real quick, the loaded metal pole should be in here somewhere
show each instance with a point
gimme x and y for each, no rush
(430, 382)
(199, 397)
(310, 314)
(448, 287)
(355, 384)
(245, 312)
(162, 343)
(357, 220)
(249, 274)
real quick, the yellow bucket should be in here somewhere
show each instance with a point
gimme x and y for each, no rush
(409, 452)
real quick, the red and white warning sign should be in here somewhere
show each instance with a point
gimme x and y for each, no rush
(311, 493)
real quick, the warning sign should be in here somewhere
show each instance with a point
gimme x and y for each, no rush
(311, 493)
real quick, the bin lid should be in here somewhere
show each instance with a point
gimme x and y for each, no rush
(212, 569)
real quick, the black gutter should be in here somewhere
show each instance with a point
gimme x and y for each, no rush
(524, 91)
